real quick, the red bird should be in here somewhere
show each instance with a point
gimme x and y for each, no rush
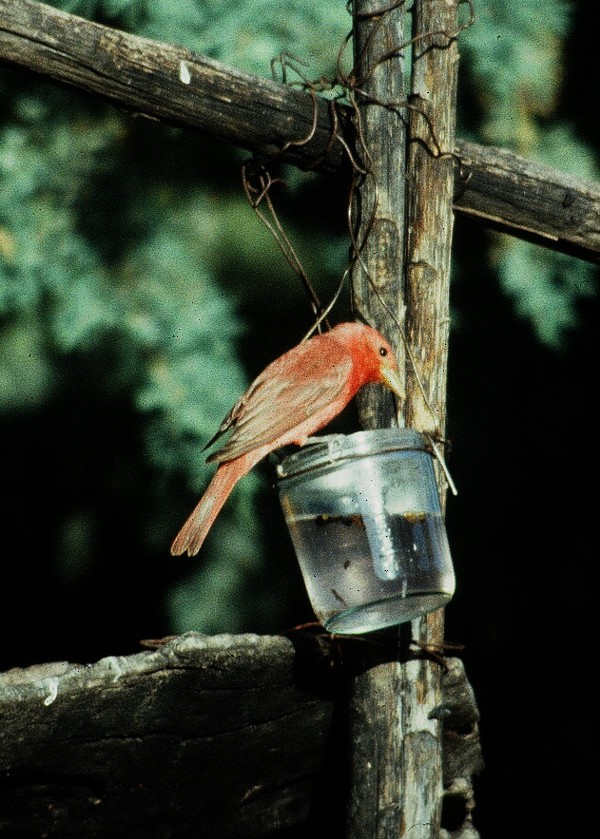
(294, 396)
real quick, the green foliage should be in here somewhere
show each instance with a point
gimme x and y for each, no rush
(513, 53)
(542, 284)
(246, 35)
(163, 333)
(111, 245)
(25, 371)
(512, 62)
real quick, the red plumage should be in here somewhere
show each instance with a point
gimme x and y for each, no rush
(295, 396)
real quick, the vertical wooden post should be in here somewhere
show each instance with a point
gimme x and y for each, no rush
(430, 218)
(380, 196)
(396, 779)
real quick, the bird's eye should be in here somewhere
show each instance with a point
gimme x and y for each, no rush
(383, 351)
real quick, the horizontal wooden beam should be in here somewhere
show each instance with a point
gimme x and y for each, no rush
(206, 736)
(223, 736)
(507, 192)
(173, 84)
(166, 82)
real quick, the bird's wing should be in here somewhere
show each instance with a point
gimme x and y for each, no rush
(299, 385)
(230, 420)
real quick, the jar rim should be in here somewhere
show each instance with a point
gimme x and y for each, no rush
(333, 448)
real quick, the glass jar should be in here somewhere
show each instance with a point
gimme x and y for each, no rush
(364, 516)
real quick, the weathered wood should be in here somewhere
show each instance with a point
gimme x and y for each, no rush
(165, 82)
(378, 210)
(501, 189)
(401, 278)
(224, 736)
(462, 758)
(430, 220)
(528, 199)
(430, 217)
(206, 736)
(378, 782)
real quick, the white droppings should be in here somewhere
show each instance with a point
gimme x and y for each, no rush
(115, 665)
(184, 73)
(52, 685)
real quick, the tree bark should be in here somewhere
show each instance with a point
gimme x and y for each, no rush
(206, 736)
(403, 236)
(166, 82)
(232, 737)
(430, 220)
(379, 204)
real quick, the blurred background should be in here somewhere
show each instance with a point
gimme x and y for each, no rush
(139, 295)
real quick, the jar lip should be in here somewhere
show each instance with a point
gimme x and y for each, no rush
(333, 448)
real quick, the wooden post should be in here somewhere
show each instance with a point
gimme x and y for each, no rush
(380, 195)
(402, 275)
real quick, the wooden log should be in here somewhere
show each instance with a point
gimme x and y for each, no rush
(166, 82)
(150, 79)
(204, 736)
(527, 199)
(401, 280)
(430, 219)
(224, 736)
(380, 790)
(379, 197)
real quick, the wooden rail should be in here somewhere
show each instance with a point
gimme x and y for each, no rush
(221, 736)
(175, 85)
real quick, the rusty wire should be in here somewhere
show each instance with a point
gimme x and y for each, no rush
(257, 182)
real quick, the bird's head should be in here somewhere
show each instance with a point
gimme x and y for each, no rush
(374, 356)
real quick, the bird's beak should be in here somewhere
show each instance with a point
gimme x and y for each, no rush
(391, 378)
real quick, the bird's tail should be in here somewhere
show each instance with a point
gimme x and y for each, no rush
(194, 531)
